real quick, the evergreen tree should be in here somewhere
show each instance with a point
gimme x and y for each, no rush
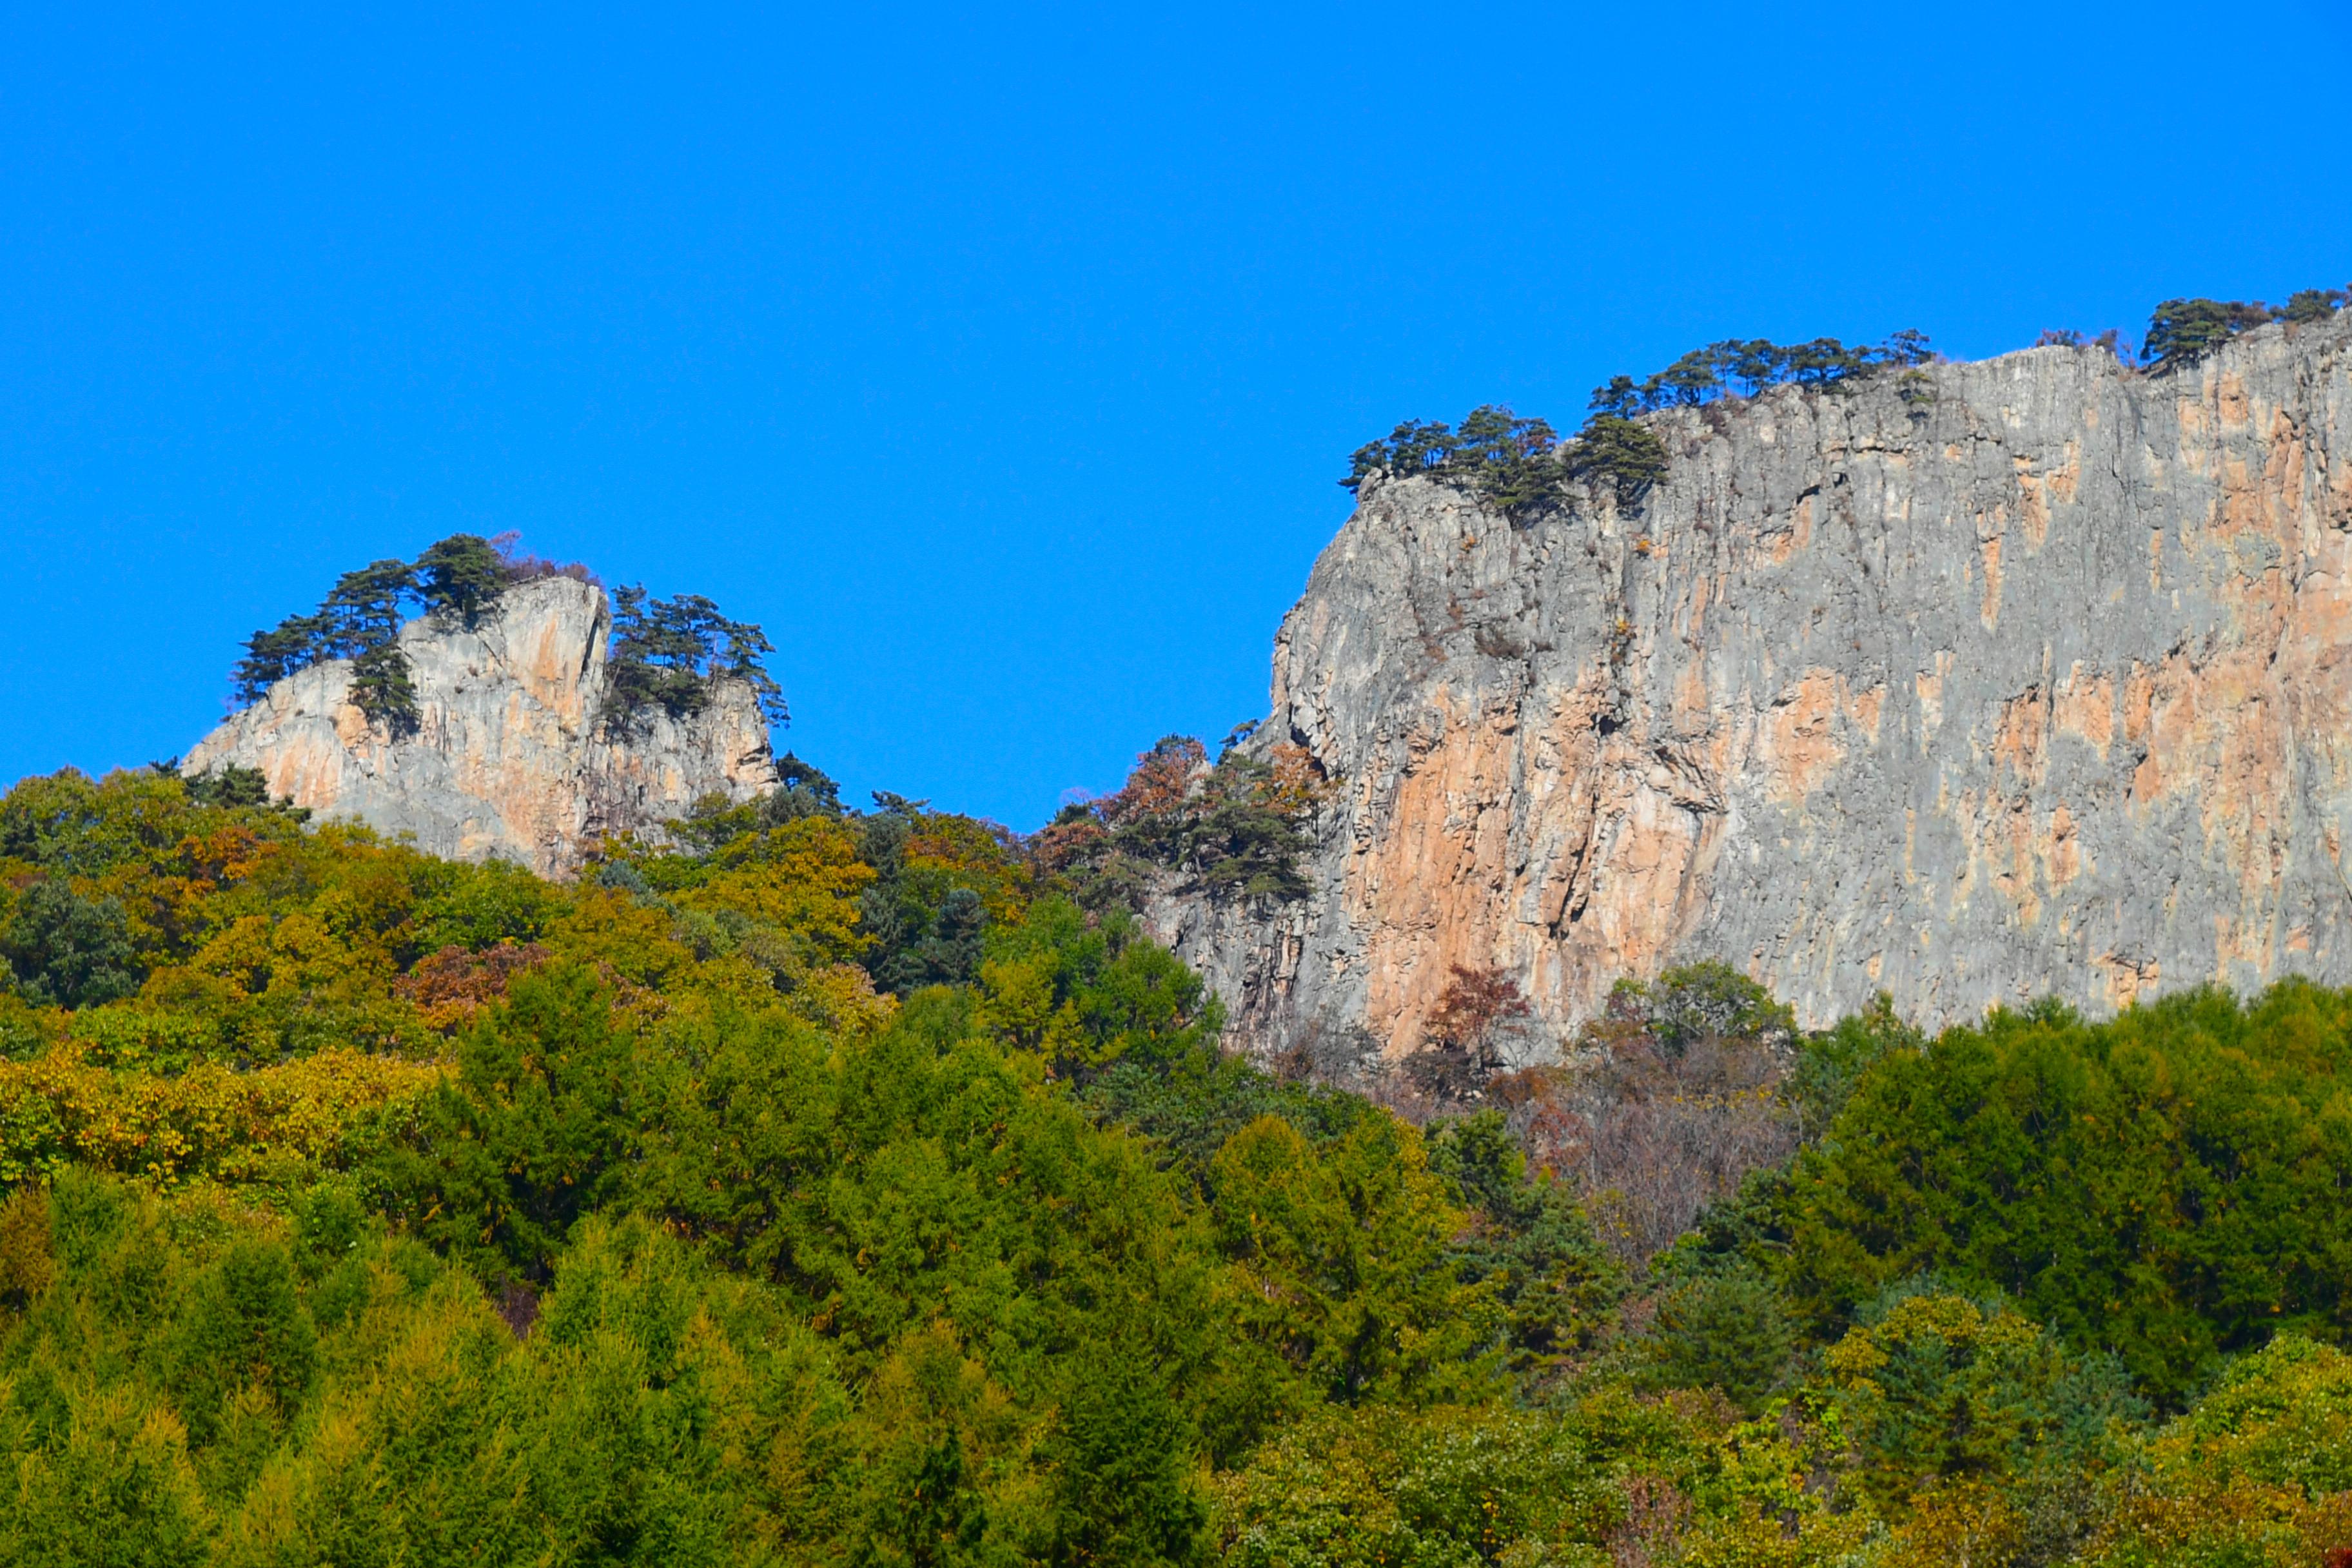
(1731, 1331)
(1627, 455)
(1415, 446)
(1123, 1492)
(271, 656)
(66, 950)
(461, 575)
(384, 687)
(669, 653)
(2182, 331)
(363, 611)
(2313, 304)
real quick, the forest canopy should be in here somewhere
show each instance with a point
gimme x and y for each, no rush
(812, 1185)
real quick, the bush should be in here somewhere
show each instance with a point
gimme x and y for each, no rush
(1234, 830)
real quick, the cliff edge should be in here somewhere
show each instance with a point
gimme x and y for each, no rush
(2040, 685)
(511, 755)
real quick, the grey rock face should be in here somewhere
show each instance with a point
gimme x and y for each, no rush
(511, 757)
(2042, 686)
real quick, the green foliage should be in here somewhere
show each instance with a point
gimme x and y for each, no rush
(242, 1326)
(476, 907)
(361, 617)
(1937, 1388)
(522, 1142)
(1530, 1244)
(1452, 1488)
(927, 914)
(1503, 459)
(1734, 368)
(2161, 1187)
(1123, 1490)
(670, 653)
(1830, 1064)
(1190, 1106)
(2255, 1474)
(1088, 993)
(1702, 1002)
(1506, 460)
(2306, 305)
(1345, 1251)
(383, 688)
(229, 787)
(363, 610)
(67, 950)
(811, 1185)
(2182, 331)
(1629, 456)
(1517, 465)
(1234, 830)
(1729, 1331)
(460, 575)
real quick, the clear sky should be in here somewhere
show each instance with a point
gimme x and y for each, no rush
(999, 360)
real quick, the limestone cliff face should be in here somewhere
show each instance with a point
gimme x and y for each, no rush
(511, 757)
(2043, 686)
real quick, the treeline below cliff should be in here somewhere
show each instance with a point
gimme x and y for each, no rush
(814, 1186)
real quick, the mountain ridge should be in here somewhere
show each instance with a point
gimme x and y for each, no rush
(512, 753)
(2031, 678)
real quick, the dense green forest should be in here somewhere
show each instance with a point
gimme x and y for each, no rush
(805, 1184)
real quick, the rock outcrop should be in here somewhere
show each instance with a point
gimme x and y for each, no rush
(2044, 686)
(512, 756)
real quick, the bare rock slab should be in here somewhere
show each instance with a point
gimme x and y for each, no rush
(2042, 686)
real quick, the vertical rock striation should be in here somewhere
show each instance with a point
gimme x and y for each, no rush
(2044, 686)
(512, 756)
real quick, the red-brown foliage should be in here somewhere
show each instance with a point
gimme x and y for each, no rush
(453, 984)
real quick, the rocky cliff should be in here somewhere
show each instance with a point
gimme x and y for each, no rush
(511, 755)
(2044, 686)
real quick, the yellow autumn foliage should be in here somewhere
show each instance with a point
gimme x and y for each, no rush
(213, 1120)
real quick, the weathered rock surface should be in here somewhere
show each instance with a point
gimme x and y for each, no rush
(2044, 687)
(512, 756)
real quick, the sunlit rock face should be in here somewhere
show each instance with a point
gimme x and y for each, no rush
(512, 756)
(2038, 688)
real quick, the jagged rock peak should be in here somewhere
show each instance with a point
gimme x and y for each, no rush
(510, 754)
(2040, 685)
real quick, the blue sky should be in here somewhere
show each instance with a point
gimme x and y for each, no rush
(999, 361)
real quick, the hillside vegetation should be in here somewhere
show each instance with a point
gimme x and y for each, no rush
(863, 1187)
